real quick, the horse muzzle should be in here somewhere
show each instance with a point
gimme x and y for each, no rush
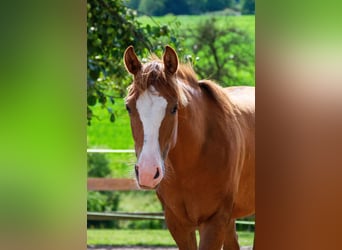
(148, 176)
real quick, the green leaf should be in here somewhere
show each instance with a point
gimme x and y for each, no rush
(102, 99)
(91, 100)
(94, 74)
(112, 117)
(112, 100)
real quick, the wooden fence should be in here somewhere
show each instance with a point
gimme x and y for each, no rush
(109, 184)
(122, 184)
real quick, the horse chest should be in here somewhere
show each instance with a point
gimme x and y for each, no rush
(192, 205)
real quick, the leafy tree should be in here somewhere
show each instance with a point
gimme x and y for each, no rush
(226, 54)
(133, 4)
(152, 7)
(98, 165)
(213, 5)
(177, 7)
(111, 28)
(196, 6)
(248, 7)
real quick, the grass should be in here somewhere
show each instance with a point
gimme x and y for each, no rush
(104, 134)
(189, 22)
(144, 237)
(121, 164)
(140, 201)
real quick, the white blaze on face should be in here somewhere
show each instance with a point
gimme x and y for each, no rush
(151, 108)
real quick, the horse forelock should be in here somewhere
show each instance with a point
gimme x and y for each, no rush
(171, 86)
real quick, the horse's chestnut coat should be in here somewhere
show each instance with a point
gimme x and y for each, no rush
(194, 142)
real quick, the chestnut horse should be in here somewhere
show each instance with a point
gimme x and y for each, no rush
(194, 142)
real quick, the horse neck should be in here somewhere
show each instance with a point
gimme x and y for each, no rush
(193, 125)
(192, 121)
(206, 131)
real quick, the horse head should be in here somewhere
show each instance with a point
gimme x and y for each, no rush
(152, 103)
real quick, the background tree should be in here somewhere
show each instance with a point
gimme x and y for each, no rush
(196, 6)
(248, 7)
(152, 7)
(112, 27)
(213, 5)
(225, 53)
(133, 4)
(179, 7)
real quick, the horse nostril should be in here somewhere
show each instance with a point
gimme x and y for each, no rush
(157, 174)
(136, 168)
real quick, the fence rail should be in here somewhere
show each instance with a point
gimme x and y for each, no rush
(109, 184)
(124, 216)
(138, 216)
(98, 150)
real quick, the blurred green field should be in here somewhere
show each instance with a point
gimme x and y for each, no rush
(105, 134)
(185, 22)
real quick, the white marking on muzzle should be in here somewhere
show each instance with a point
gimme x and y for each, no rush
(151, 108)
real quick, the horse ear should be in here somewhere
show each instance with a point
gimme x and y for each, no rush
(131, 60)
(170, 59)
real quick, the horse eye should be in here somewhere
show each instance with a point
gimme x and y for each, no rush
(174, 109)
(128, 109)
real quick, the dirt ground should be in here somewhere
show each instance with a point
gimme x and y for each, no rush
(144, 248)
(132, 248)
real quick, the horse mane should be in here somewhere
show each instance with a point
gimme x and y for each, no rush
(216, 92)
(187, 73)
(153, 72)
(218, 95)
